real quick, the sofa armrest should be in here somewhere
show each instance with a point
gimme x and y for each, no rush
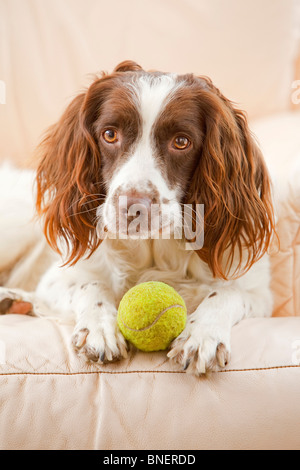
(282, 155)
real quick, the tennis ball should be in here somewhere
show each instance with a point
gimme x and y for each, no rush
(151, 315)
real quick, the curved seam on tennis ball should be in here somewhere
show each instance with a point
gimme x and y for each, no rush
(156, 319)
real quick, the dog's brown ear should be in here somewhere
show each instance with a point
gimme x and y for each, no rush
(232, 181)
(128, 66)
(69, 175)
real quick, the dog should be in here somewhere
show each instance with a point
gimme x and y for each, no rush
(142, 139)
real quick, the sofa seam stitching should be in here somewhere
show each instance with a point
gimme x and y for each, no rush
(146, 371)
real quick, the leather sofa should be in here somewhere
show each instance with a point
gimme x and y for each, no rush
(50, 398)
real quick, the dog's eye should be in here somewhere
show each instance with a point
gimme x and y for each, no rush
(181, 142)
(110, 136)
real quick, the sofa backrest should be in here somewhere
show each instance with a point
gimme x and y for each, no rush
(49, 49)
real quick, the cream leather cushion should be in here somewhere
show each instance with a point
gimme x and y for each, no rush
(49, 49)
(52, 400)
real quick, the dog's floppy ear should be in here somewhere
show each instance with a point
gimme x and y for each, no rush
(232, 181)
(69, 175)
(69, 181)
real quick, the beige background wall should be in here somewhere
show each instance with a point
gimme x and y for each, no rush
(49, 48)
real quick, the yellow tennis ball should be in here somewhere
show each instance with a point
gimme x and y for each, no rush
(151, 315)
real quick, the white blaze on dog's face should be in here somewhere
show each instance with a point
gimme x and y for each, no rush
(148, 144)
(138, 184)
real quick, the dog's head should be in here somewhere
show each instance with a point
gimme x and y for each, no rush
(137, 140)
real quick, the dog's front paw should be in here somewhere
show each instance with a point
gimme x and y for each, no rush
(100, 343)
(15, 301)
(200, 349)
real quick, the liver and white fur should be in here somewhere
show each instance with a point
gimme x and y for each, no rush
(153, 138)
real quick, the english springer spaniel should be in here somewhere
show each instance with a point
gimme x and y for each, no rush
(134, 141)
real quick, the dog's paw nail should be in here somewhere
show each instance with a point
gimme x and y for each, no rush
(79, 338)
